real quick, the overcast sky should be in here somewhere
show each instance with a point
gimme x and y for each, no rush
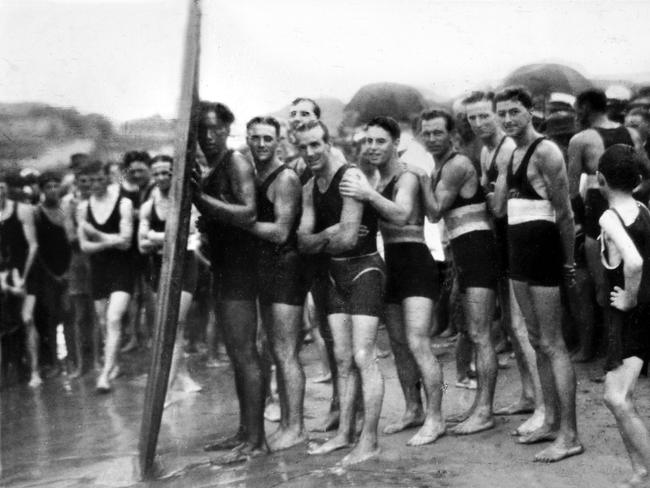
(122, 58)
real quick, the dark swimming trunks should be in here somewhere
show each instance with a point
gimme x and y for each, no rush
(356, 285)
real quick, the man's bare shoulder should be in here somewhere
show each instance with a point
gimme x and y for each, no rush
(25, 210)
(547, 152)
(584, 137)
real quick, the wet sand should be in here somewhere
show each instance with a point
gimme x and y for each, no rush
(64, 435)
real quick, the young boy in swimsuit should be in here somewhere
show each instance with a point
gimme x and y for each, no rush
(625, 253)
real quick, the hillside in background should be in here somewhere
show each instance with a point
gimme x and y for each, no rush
(43, 136)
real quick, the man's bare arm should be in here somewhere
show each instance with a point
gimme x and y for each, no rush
(243, 212)
(575, 167)
(550, 164)
(398, 211)
(308, 241)
(453, 177)
(632, 260)
(286, 206)
(26, 217)
(345, 234)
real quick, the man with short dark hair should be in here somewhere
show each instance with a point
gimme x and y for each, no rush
(18, 251)
(105, 234)
(497, 151)
(330, 228)
(226, 199)
(412, 277)
(585, 148)
(53, 259)
(456, 195)
(534, 188)
(282, 286)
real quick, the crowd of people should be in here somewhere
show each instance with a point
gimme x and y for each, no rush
(546, 241)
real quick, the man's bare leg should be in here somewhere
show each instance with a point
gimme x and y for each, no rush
(179, 376)
(531, 387)
(239, 319)
(407, 368)
(417, 318)
(284, 335)
(364, 342)
(479, 311)
(554, 361)
(582, 310)
(319, 294)
(347, 378)
(619, 389)
(27, 315)
(115, 309)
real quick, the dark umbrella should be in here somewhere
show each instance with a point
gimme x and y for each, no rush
(545, 78)
(401, 102)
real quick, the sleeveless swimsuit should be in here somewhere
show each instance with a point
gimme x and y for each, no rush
(628, 332)
(410, 268)
(280, 275)
(471, 238)
(356, 277)
(534, 245)
(111, 269)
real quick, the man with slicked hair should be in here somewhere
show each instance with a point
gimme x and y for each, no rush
(535, 190)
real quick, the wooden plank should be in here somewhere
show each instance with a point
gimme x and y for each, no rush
(176, 233)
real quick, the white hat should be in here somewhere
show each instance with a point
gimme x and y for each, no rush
(559, 97)
(618, 92)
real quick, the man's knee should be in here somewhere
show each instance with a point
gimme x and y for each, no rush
(418, 343)
(364, 358)
(617, 402)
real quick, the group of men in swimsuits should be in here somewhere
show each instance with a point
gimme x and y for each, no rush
(278, 226)
(323, 238)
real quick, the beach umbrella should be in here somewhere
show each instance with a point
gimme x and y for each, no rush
(401, 102)
(545, 78)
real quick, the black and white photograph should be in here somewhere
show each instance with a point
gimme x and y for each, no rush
(344, 243)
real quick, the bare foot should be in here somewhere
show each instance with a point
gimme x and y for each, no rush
(188, 385)
(331, 422)
(361, 452)
(409, 420)
(477, 422)
(428, 434)
(458, 417)
(74, 373)
(581, 356)
(225, 443)
(116, 372)
(637, 479)
(103, 385)
(559, 450)
(286, 438)
(543, 434)
(272, 412)
(335, 443)
(244, 452)
(535, 422)
(519, 407)
(323, 378)
(130, 346)
(35, 381)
